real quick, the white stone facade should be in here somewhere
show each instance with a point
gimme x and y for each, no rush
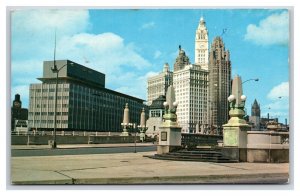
(191, 84)
(158, 85)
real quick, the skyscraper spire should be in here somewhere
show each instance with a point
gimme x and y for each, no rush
(255, 109)
(201, 45)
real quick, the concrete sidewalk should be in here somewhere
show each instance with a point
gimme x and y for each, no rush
(65, 146)
(133, 168)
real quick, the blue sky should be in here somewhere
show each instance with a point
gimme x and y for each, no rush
(131, 45)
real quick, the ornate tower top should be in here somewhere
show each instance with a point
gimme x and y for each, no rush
(201, 45)
(255, 109)
(166, 67)
(17, 103)
(181, 60)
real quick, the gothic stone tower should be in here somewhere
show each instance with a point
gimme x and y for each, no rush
(255, 115)
(219, 83)
(201, 45)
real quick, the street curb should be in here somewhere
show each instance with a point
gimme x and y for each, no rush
(78, 147)
(263, 178)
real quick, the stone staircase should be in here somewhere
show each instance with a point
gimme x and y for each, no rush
(199, 155)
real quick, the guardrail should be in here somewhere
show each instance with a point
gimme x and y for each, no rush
(66, 133)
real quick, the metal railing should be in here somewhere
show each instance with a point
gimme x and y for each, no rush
(66, 133)
(191, 140)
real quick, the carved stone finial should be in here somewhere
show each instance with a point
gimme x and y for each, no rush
(170, 106)
(237, 102)
(126, 114)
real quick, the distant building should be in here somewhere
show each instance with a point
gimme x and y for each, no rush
(158, 85)
(156, 112)
(191, 83)
(219, 83)
(19, 115)
(83, 102)
(254, 119)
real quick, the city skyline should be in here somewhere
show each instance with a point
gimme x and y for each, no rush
(131, 45)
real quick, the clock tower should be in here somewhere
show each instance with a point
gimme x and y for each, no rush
(201, 45)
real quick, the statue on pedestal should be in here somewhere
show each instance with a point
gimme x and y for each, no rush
(170, 131)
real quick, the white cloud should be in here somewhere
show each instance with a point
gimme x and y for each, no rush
(279, 91)
(151, 73)
(136, 88)
(157, 54)
(272, 30)
(107, 52)
(44, 21)
(33, 43)
(148, 25)
(33, 30)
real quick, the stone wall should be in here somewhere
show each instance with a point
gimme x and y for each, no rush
(43, 140)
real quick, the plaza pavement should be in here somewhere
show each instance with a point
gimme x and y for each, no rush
(133, 168)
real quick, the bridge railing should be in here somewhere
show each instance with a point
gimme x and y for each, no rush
(192, 140)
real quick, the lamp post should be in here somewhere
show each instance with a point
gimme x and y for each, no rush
(131, 127)
(254, 79)
(54, 69)
(134, 129)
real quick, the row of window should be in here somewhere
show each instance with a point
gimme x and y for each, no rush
(51, 105)
(51, 90)
(48, 113)
(47, 121)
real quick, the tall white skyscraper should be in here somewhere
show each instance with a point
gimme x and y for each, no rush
(191, 84)
(201, 45)
(158, 85)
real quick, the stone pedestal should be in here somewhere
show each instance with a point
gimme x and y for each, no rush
(169, 139)
(235, 131)
(124, 133)
(235, 139)
(170, 131)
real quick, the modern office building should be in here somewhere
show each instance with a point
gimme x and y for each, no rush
(219, 83)
(19, 115)
(83, 102)
(201, 45)
(191, 83)
(158, 85)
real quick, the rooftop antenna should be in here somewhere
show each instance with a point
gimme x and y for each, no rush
(223, 32)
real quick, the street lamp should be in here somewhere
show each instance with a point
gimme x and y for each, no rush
(255, 79)
(54, 69)
(134, 129)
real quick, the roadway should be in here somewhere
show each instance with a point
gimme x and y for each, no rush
(79, 150)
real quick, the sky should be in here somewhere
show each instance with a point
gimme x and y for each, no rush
(129, 45)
